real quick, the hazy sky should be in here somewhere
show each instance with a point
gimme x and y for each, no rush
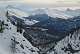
(52, 3)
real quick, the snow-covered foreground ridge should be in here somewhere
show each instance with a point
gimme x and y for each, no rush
(22, 45)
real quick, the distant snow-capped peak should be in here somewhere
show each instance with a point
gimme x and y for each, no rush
(64, 13)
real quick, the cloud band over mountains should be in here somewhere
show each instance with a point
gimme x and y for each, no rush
(52, 3)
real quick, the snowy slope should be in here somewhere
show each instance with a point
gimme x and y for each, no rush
(69, 45)
(17, 12)
(23, 46)
(30, 22)
(58, 13)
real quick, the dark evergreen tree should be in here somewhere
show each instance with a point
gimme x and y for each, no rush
(7, 14)
(1, 26)
(13, 45)
(19, 26)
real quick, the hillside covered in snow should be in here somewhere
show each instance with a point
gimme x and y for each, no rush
(12, 42)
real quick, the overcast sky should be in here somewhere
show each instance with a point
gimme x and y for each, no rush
(52, 3)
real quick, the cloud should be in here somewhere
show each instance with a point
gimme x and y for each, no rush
(52, 3)
(8, 0)
(45, 3)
